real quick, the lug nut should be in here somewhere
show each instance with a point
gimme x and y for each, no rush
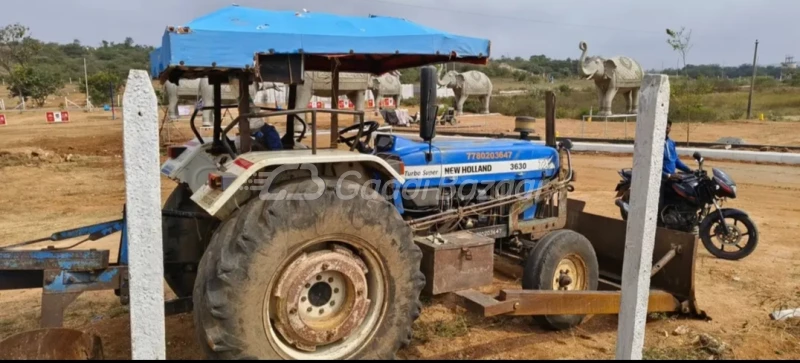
(309, 309)
(321, 311)
(333, 303)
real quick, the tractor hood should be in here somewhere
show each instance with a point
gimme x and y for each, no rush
(470, 160)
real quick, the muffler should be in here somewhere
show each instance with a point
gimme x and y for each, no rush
(52, 344)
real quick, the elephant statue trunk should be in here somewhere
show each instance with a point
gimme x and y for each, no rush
(582, 69)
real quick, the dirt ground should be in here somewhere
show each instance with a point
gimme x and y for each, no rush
(62, 176)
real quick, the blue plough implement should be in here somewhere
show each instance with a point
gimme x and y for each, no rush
(64, 273)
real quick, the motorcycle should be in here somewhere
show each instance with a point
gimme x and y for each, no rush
(686, 207)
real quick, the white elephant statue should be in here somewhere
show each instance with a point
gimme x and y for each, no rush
(611, 76)
(470, 83)
(387, 84)
(195, 90)
(352, 85)
(260, 96)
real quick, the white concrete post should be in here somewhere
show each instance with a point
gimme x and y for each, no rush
(648, 153)
(143, 217)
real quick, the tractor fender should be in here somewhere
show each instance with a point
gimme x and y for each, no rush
(242, 175)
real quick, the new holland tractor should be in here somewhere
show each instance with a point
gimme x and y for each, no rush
(296, 251)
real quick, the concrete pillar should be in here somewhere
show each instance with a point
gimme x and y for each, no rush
(648, 153)
(172, 96)
(143, 217)
(207, 95)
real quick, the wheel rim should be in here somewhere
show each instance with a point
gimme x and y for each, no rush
(327, 301)
(570, 274)
(729, 237)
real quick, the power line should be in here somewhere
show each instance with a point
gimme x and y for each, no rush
(512, 17)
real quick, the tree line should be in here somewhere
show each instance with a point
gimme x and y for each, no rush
(35, 69)
(541, 66)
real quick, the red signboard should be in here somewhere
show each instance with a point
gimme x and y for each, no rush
(343, 105)
(57, 117)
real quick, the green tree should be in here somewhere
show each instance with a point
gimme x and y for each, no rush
(680, 43)
(37, 84)
(100, 85)
(16, 46)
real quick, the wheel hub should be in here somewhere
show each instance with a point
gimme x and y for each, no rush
(322, 298)
(569, 274)
(729, 236)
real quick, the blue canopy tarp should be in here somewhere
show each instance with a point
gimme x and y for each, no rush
(232, 37)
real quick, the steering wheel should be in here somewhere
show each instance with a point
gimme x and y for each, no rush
(369, 128)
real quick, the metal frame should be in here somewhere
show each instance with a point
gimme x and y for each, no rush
(64, 275)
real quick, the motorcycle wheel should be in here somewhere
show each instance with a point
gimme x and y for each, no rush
(712, 230)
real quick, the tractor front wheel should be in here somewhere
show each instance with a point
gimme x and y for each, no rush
(562, 260)
(329, 271)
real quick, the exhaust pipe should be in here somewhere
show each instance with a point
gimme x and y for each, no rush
(622, 204)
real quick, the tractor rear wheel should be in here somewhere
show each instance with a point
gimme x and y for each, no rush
(561, 260)
(318, 276)
(184, 241)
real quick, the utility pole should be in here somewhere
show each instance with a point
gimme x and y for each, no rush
(86, 82)
(111, 87)
(752, 84)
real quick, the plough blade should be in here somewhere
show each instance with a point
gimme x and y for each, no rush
(674, 255)
(52, 344)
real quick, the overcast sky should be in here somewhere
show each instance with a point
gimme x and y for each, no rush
(724, 31)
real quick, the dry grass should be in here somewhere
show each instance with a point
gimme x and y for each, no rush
(450, 328)
(674, 353)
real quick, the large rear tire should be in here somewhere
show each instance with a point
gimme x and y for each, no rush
(322, 278)
(184, 241)
(561, 260)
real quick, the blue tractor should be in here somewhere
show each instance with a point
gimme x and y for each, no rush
(307, 251)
